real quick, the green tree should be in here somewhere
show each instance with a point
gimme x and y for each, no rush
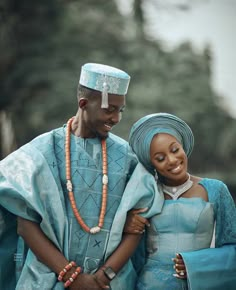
(44, 45)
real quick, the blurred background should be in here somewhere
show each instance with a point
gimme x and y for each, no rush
(179, 53)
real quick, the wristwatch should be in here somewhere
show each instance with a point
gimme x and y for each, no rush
(110, 274)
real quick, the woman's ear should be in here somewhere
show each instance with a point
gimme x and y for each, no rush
(83, 102)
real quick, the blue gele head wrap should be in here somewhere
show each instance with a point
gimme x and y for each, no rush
(143, 131)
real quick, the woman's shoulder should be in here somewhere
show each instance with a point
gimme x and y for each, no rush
(212, 182)
(208, 183)
(215, 188)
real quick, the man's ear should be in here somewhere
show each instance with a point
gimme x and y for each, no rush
(83, 102)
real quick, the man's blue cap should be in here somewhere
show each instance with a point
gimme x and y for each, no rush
(104, 78)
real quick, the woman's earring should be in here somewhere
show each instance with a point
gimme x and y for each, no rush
(156, 175)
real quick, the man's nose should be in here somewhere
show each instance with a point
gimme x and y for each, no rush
(116, 117)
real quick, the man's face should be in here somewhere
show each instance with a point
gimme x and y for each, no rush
(98, 122)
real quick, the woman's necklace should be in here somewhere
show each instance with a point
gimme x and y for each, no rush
(69, 186)
(176, 191)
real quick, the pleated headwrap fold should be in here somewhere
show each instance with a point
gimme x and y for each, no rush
(143, 131)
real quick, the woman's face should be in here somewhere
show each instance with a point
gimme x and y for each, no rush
(169, 159)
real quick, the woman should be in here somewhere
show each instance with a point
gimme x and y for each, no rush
(178, 253)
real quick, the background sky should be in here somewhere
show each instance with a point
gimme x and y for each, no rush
(203, 22)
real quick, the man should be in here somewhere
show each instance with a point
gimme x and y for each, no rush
(65, 187)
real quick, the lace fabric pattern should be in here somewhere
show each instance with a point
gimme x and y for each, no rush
(224, 209)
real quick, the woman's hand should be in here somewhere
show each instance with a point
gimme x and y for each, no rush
(135, 224)
(179, 267)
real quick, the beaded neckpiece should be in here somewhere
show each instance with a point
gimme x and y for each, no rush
(176, 191)
(69, 186)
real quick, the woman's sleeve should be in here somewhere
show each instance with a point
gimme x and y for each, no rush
(215, 268)
(225, 217)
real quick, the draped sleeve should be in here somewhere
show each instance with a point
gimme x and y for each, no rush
(141, 192)
(28, 189)
(215, 268)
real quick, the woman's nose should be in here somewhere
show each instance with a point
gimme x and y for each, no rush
(171, 158)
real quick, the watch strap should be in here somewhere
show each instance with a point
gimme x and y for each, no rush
(109, 273)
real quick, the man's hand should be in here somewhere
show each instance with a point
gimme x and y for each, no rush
(87, 281)
(135, 224)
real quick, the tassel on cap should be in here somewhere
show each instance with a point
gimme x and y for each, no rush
(105, 104)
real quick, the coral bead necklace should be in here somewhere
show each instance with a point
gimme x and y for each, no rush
(97, 228)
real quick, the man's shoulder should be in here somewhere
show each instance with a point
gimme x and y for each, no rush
(48, 137)
(47, 143)
(121, 148)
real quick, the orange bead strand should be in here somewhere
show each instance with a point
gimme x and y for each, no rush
(95, 229)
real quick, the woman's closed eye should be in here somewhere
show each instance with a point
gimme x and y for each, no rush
(175, 149)
(160, 158)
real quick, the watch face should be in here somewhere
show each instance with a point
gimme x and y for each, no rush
(109, 273)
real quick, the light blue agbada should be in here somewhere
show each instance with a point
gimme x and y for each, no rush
(33, 186)
(186, 225)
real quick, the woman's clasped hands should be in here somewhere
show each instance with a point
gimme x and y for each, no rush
(179, 267)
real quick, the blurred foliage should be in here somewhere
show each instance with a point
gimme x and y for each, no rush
(44, 43)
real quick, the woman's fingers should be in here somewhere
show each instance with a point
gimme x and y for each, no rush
(179, 267)
(135, 224)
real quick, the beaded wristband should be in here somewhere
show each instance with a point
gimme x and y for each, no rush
(72, 277)
(65, 270)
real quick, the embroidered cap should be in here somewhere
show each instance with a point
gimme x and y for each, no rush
(104, 78)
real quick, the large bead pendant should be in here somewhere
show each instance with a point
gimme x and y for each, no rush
(95, 230)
